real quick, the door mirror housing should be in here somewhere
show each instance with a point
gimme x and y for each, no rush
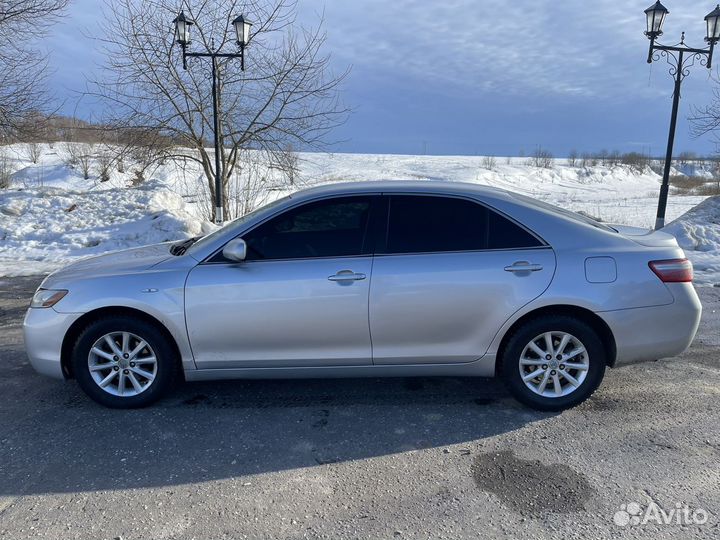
(235, 250)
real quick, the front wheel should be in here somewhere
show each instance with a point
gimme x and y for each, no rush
(122, 362)
(553, 363)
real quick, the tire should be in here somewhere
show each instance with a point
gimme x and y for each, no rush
(137, 380)
(577, 383)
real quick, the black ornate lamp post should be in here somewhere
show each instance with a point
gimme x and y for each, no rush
(681, 58)
(182, 37)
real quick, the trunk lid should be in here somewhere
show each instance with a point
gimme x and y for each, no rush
(647, 237)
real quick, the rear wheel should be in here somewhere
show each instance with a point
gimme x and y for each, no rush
(553, 363)
(122, 362)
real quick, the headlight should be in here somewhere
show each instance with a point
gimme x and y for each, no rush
(45, 298)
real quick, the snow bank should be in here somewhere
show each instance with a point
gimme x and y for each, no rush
(698, 233)
(44, 228)
(53, 215)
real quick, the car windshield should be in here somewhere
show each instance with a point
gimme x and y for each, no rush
(583, 218)
(233, 225)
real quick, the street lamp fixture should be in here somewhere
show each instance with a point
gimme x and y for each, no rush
(681, 58)
(242, 31)
(182, 38)
(182, 29)
(655, 15)
(713, 25)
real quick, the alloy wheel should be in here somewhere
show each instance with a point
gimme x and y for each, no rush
(554, 364)
(122, 364)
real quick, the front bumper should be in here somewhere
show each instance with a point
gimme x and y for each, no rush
(44, 330)
(656, 332)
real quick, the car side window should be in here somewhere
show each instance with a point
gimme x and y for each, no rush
(426, 224)
(504, 234)
(329, 228)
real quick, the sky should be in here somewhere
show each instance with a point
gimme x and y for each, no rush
(476, 77)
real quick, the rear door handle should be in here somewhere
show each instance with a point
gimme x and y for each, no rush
(347, 275)
(523, 266)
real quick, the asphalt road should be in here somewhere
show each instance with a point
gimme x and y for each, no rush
(393, 458)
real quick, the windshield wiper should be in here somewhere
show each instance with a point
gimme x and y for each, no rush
(181, 247)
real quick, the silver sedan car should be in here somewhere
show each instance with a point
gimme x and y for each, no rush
(372, 279)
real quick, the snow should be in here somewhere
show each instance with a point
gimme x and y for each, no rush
(44, 228)
(51, 215)
(698, 233)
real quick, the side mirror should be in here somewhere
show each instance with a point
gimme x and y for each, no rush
(235, 250)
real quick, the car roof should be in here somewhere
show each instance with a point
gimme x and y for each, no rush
(414, 186)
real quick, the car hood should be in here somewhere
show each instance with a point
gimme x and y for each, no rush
(118, 262)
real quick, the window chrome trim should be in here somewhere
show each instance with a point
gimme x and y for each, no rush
(388, 194)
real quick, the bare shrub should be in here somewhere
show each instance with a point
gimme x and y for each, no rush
(687, 158)
(542, 158)
(5, 169)
(635, 160)
(147, 148)
(79, 156)
(613, 158)
(34, 151)
(287, 162)
(686, 184)
(104, 159)
(489, 163)
(572, 158)
(253, 183)
(602, 156)
(709, 189)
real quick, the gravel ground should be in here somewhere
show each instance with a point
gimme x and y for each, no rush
(392, 458)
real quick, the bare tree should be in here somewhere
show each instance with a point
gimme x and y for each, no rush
(22, 67)
(573, 158)
(286, 96)
(588, 160)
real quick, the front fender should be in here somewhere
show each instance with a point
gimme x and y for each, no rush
(159, 294)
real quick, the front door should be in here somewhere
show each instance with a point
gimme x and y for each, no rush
(299, 300)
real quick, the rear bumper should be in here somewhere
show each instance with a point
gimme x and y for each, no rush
(656, 332)
(44, 331)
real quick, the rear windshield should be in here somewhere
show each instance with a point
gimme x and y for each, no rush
(563, 212)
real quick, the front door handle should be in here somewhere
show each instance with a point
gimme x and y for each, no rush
(523, 266)
(347, 275)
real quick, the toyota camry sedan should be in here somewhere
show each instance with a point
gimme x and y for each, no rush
(372, 279)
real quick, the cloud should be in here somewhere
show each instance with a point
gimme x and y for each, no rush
(576, 49)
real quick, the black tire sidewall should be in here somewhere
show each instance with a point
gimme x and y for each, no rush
(166, 363)
(558, 323)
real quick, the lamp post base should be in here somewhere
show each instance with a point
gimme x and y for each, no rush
(659, 223)
(218, 215)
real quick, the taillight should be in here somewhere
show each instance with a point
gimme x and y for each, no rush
(673, 270)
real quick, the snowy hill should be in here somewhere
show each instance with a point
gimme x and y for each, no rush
(51, 215)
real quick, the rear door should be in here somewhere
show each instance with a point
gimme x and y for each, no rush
(448, 274)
